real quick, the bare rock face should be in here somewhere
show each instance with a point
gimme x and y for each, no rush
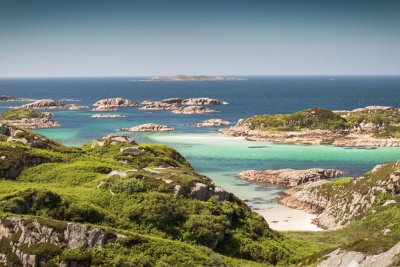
(212, 123)
(203, 192)
(31, 232)
(289, 177)
(160, 106)
(51, 104)
(114, 139)
(113, 116)
(116, 102)
(149, 127)
(45, 121)
(343, 258)
(193, 110)
(104, 109)
(202, 101)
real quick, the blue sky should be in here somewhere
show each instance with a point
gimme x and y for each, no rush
(41, 38)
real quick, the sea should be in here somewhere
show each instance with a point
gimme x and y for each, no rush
(218, 156)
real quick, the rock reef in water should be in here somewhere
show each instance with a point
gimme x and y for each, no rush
(51, 104)
(116, 102)
(289, 177)
(149, 127)
(212, 123)
(5, 98)
(160, 106)
(193, 110)
(202, 101)
(113, 116)
(104, 109)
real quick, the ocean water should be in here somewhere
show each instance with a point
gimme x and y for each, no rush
(218, 156)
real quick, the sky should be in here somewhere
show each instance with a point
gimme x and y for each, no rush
(68, 38)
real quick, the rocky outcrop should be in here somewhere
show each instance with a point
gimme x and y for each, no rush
(289, 177)
(344, 258)
(45, 121)
(51, 104)
(212, 123)
(202, 101)
(99, 116)
(174, 100)
(116, 102)
(339, 203)
(104, 109)
(113, 139)
(21, 236)
(5, 98)
(149, 127)
(160, 106)
(193, 110)
(203, 192)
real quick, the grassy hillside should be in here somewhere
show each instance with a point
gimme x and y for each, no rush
(54, 182)
(18, 114)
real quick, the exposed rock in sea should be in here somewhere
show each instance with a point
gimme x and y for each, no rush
(202, 101)
(5, 98)
(108, 116)
(116, 102)
(193, 110)
(160, 106)
(212, 123)
(344, 258)
(289, 177)
(172, 101)
(149, 127)
(44, 121)
(51, 104)
(113, 139)
(33, 232)
(104, 109)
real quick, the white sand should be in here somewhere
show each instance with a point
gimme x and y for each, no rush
(282, 218)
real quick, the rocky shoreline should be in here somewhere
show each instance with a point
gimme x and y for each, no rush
(45, 120)
(363, 134)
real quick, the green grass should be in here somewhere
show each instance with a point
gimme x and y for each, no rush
(18, 114)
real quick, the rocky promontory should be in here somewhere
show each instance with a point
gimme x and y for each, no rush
(289, 177)
(116, 102)
(149, 127)
(212, 123)
(30, 119)
(193, 110)
(370, 126)
(51, 104)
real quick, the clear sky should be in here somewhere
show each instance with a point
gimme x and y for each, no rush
(138, 38)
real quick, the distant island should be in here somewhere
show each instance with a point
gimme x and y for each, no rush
(195, 78)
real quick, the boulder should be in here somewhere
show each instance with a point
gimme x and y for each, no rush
(113, 139)
(212, 123)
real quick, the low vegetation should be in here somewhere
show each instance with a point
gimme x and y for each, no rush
(18, 114)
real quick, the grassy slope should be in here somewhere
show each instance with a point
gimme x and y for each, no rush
(318, 118)
(66, 188)
(18, 114)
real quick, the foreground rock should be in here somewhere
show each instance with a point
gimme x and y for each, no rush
(344, 258)
(45, 120)
(113, 116)
(116, 102)
(21, 236)
(289, 177)
(339, 202)
(356, 128)
(149, 127)
(51, 104)
(212, 123)
(202, 101)
(193, 110)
